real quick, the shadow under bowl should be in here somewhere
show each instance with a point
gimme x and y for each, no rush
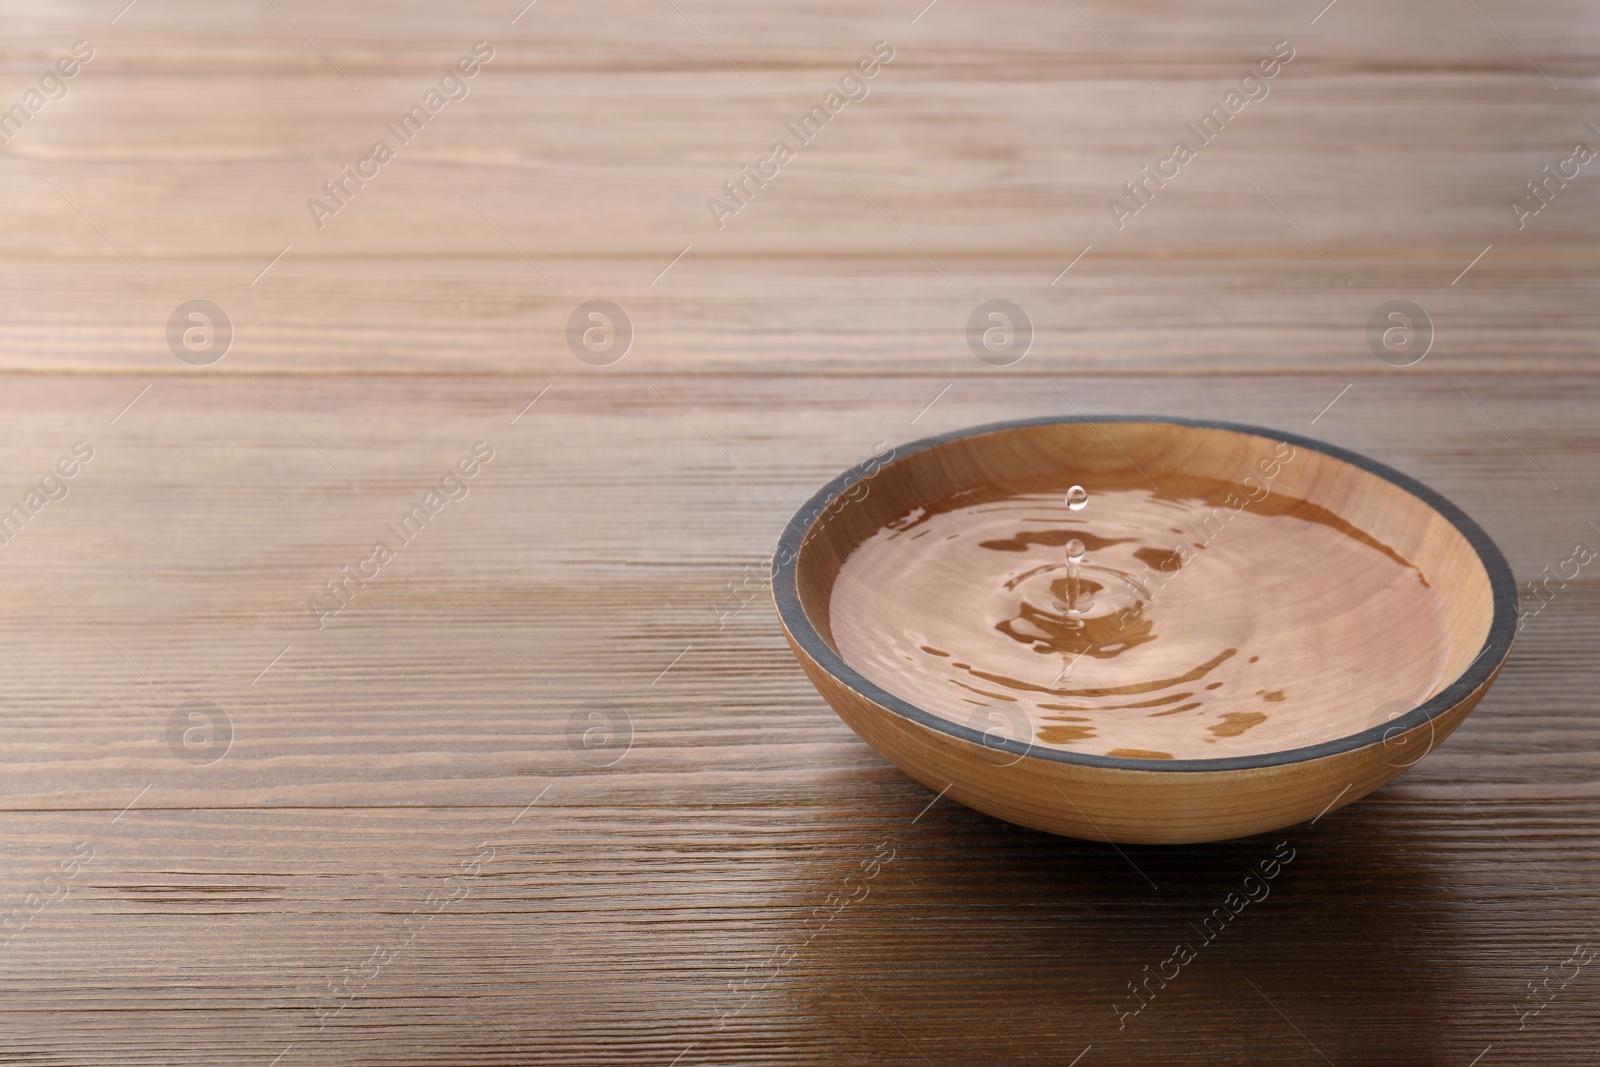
(1235, 565)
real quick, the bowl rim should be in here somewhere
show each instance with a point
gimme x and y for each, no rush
(1496, 644)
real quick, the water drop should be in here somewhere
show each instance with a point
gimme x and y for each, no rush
(1075, 554)
(1077, 497)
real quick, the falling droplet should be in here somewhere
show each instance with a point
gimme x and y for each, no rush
(1077, 497)
(1075, 554)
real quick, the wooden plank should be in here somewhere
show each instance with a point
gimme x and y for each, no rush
(794, 317)
(973, 169)
(597, 932)
(613, 517)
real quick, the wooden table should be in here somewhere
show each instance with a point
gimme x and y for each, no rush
(548, 787)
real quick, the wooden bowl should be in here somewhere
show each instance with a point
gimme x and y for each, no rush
(1262, 627)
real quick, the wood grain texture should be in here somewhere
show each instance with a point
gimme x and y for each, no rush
(979, 165)
(747, 882)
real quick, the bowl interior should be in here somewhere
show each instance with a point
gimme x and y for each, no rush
(1281, 594)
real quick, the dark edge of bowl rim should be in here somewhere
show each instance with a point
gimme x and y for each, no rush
(1496, 644)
